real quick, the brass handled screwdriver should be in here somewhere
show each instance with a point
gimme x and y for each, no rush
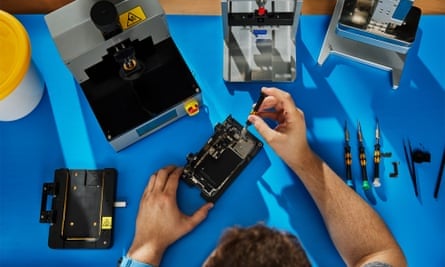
(253, 111)
(376, 181)
(365, 183)
(348, 158)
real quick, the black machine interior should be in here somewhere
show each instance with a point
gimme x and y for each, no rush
(222, 158)
(161, 81)
(405, 32)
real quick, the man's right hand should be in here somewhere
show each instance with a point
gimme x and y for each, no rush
(288, 139)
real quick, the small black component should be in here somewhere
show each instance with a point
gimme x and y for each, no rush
(253, 19)
(106, 18)
(386, 154)
(395, 172)
(81, 213)
(130, 67)
(419, 156)
(222, 158)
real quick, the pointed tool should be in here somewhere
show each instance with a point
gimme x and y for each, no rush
(253, 111)
(376, 181)
(365, 182)
(348, 158)
(439, 176)
(411, 166)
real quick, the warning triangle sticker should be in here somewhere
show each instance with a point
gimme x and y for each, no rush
(132, 19)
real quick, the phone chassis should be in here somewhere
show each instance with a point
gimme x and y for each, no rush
(226, 153)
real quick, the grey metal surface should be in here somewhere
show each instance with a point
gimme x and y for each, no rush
(132, 136)
(373, 55)
(269, 56)
(81, 46)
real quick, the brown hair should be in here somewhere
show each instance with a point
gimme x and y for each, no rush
(258, 246)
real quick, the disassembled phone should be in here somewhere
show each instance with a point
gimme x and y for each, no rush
(223, 157)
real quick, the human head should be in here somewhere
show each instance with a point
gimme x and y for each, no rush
(257, 246)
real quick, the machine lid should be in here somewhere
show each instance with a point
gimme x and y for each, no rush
(15, 53)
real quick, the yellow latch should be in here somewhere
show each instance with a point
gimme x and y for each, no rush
(191, 107)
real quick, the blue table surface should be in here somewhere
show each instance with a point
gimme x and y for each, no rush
(63, 133)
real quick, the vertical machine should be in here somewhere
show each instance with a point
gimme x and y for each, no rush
(259, 39)
(379, 33)
(122, 55)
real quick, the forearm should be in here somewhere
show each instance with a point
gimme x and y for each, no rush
(356, 229)
(28, 7)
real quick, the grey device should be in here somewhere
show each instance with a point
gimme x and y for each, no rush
(127, 65)
(259, 40)
(378, 33)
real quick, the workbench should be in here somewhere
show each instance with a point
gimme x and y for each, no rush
(63, 133)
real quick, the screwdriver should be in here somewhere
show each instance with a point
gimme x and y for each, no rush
(365, 183)
(376, 181)
(253, 111)
(411, 166)
(348, 158)
(439, 176)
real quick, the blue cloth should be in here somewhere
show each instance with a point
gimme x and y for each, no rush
(62, 132)
(129, 262)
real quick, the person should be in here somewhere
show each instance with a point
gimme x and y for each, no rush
(28, 7)
(160, 223)
(369, 242)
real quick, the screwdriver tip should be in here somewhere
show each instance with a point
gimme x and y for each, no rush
(244, 132)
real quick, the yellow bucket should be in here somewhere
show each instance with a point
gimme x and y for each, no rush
(21, 86)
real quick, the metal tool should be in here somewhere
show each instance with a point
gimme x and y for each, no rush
(439, 176)
(362, 155)
(410, 163)
(348, 158)
(376, 181)
(253, 111)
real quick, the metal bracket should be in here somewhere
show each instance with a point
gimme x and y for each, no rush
(47, 216)
(366, 48)
(259, 40)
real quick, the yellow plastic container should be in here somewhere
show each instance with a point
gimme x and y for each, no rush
(21, 85)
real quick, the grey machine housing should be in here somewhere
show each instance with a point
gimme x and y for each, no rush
(378, 33)
(132, 105)
(259, 39)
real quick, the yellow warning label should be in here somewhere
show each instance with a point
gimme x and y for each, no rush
(107, 223)
(132, 17)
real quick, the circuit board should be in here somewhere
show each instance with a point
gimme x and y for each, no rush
(226, 153)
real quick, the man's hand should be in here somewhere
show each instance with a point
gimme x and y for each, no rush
(358, 241)
(160, 222)
(288, 139)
